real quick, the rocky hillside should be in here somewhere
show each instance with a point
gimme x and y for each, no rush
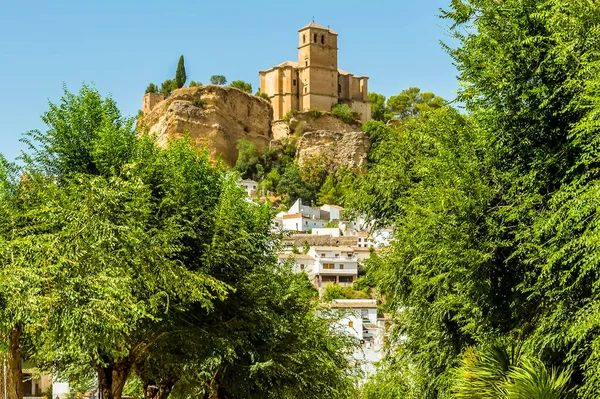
(215, 117)
(348, 149)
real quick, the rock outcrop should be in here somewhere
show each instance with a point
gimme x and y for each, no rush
(305, 122)
(215, 117)
(347, 149)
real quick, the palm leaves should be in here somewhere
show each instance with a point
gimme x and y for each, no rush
(500, 373)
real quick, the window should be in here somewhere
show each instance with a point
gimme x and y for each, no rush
(351, 324)
(315, 36)
(328, 266)
(336, 255)
(306, 90)
(303, 39)
(301, 267)
(294, 82)
(341, 266)
(322, 39)
(323, 255)
(307, 63)
(364, 314)
(345, 279)
(339, 88)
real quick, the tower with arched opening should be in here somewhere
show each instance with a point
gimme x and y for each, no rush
(314, 81)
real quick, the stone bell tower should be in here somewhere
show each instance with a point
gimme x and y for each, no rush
(317, 67)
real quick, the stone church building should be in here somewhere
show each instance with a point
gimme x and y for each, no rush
(314, 81)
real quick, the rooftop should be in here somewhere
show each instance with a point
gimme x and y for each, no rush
(353, 303)
(315, 25)
(295, 256)
(330, 248)
(292, 216)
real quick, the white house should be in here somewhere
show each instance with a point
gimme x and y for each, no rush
(300, 262)
(358, 318)
(299, 222)
(334, 265)
(250, 186)
(326, 231)
(335, 212)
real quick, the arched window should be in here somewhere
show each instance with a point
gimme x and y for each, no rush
(315, 36)
(322, 39)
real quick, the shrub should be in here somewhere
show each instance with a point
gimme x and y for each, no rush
(315, 113)
(198, 102)
(264, 96)
(291, 113)
(344, 113)
(335, 291)
(299, 129)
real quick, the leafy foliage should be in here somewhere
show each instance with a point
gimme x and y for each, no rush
(218, 80)
(344, 113)
(243, 86)
(495, 227)
(151, 88)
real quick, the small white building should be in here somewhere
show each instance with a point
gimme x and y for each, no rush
(326, 231)
(250, 186)
(300, 262)
(335, 211)
(299, 222)
(358, 318)
(334, 265)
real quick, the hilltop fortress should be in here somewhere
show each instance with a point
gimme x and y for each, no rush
(218, 117)
(314, 81)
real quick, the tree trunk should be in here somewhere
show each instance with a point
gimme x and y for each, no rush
(166, 386)
(112, 379)
(14, 371)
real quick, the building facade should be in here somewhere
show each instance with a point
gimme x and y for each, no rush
(314, 81)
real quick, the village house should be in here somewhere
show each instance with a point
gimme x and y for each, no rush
(333, 265)
(250, 186)
(359, 318)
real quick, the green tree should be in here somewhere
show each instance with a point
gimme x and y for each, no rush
(180, 76)
(495, 231)
(248, 158)
(193, 83)
(292, 186)
(151, 88)
(167, 87)
(243, 86)
(378, 107)
(329, 194)
(411, 102)
(218, 80)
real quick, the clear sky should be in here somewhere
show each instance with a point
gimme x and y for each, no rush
(121, 46)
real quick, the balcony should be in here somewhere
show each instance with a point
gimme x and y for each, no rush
(337, 272)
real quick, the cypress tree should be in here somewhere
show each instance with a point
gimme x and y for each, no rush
(180, 76)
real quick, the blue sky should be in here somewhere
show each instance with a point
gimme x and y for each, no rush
(121, 46)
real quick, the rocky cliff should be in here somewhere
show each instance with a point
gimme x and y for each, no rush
(348, 149)
(215, 117)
